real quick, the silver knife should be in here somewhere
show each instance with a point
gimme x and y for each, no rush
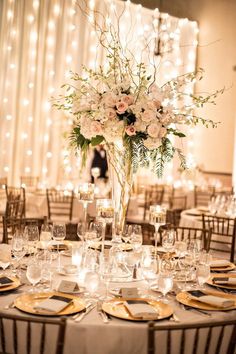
(81, 315)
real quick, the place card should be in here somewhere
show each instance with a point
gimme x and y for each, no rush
(67, 286)
(4, 281)
(54, 304)
(129, 293)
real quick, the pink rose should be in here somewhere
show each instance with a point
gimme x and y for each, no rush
(96, 128)
(127, 99)
(148, 115)
(130, 130)
(157, 104)
(110, 100)
(121, 107)
(153, 130)
(110, 113)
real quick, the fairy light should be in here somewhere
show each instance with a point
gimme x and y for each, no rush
(29, 152)
(56, 10)
(27, 169)
(30, 119)
(5, 100)
(8, 117)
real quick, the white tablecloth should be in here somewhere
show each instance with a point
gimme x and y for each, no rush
(92, 336)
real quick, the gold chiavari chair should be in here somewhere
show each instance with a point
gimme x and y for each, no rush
(28, 335)
(223, 231)
(60, 204)
(202, 196)
(205, 338)
(12, 218)
(190, 233)
(13, 193)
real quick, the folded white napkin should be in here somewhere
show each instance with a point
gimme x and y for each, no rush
(214, 301)
(219, 263)
(53, 304)
(5, 281)
(141, 309)
(224, 280)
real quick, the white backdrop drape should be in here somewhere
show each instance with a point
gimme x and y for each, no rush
(40, 42)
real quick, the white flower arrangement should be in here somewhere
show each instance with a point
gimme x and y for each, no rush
(123, 103)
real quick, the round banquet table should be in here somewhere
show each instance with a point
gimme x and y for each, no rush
(92, 336)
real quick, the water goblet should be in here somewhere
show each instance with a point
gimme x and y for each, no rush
(31, 233)
(33, 273)
(5, 256)
(127, 233)
(59, 234)
(106, 271)
(203, 273)
(168, 240)
(150, 268)
(165, 283)
(136, 238)
(19, 247)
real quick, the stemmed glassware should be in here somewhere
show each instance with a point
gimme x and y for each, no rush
(136, 237)
(157, 217)
(127, 233)
(106, 271)
(165, 283)
(105, 214)
(81, 232)
(31, 233)
(34, 273)
(168, 240)
(203, 273)
(19, 246)
(5, 256)
(86, 196)
(59, 234)
(93, 234)
(150, 268)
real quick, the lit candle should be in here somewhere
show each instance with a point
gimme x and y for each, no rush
(86, 192)
(105, 209)
(76, 256)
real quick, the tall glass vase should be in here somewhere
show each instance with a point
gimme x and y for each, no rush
(121, 180)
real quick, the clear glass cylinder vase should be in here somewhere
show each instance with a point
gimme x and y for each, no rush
(121, 180)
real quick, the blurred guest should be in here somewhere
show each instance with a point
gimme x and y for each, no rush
(99, 161)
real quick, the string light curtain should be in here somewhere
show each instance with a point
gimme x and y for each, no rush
(40, 42)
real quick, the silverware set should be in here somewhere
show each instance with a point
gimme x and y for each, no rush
(78, 317)
(102, 313)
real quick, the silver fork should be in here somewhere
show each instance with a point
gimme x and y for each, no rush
(174, 318)
(9, 306)
(102, 313)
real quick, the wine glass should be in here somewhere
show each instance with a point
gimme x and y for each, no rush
(31, 233)
(33, 273)
(105, 214)
(59, 234)
(165, 283)
(136, 238)
(168, 240)
(127, 233)
(94, 234)
(106, 271)
(157, 217)
(86, 196)
(203, 274)
(5, 256)
(19, 246)
(150, 268)
(81, 232)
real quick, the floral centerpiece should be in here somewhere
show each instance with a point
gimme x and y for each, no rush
(123, 108)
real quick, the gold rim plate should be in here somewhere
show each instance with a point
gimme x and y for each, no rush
(222, 275)
(27, 302)
(185, 298)
(116, 308)
(16, 283)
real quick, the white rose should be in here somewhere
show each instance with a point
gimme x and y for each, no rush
(153, 130)
(109, 99)
(152, 144)
(148, 115)
(96, 128)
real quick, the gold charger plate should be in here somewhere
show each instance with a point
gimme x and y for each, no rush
(108, 245)
(16, 283)
(26, 303)
(185, 298)
(116, 308)
(222, 275)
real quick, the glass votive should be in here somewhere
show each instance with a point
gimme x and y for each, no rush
(76, 256)
(86, 192)
(105, 210)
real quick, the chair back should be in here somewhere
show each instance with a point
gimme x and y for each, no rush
(60, 204)
(190, 233)
(28, 335)
(14, 193)
(12, 218)
(202, 196)
(208, 338)
(223, 232)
